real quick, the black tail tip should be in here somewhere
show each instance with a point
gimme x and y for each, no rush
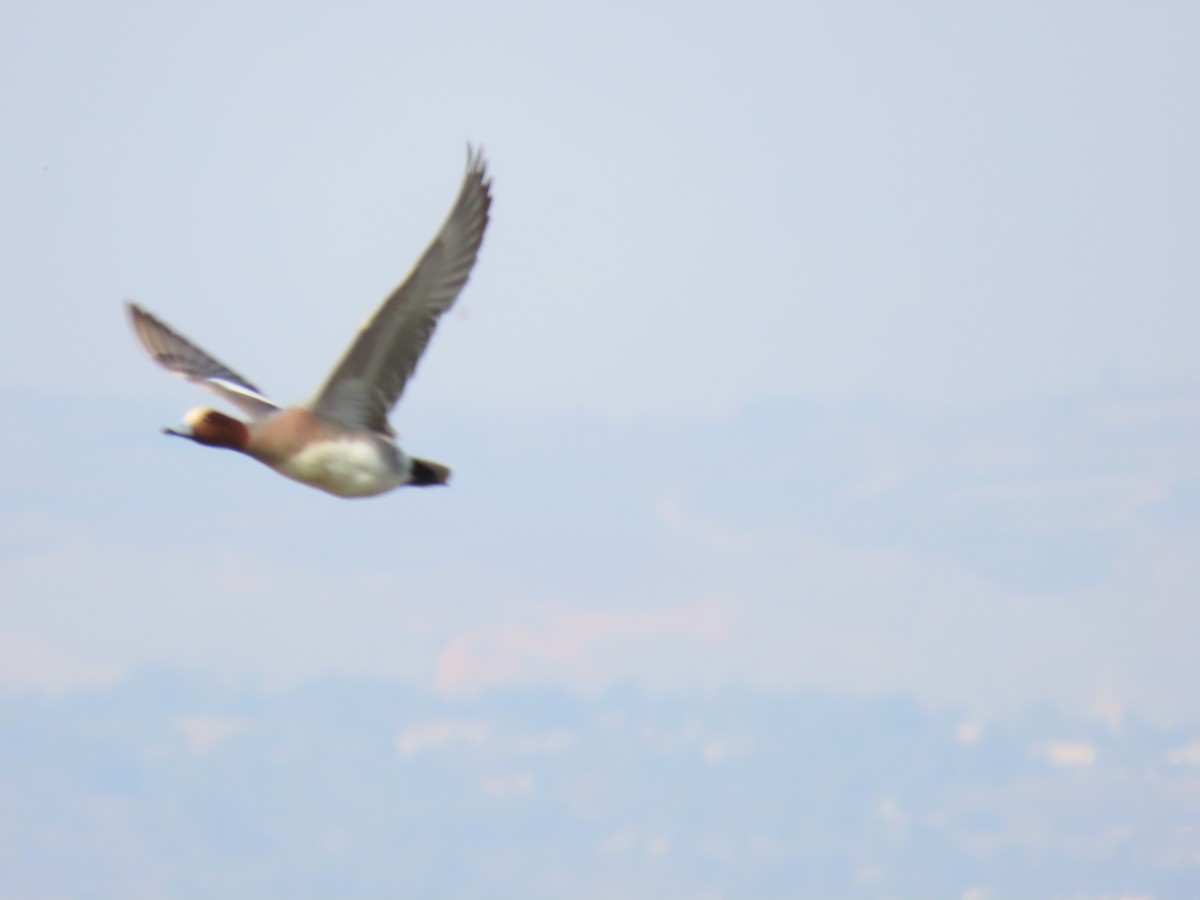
(422, 473)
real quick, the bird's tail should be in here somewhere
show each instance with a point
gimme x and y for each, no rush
(423, 473)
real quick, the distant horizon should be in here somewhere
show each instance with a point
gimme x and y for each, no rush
(1007, 521)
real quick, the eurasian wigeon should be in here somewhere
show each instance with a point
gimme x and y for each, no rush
(340, 440)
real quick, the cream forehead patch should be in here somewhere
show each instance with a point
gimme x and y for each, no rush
(194, 417)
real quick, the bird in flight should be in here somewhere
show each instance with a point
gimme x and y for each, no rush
(340, 441)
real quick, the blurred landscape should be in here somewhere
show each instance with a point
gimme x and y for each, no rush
(171, 787)
(931, 677)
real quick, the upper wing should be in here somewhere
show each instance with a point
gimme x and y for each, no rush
(179, 355)
(370, 377)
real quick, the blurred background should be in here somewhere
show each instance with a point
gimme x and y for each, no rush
(825, 417)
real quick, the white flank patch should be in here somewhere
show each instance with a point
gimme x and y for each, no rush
(351, 468)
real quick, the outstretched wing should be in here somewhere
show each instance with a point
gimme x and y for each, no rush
(177, 354)
(371, 376)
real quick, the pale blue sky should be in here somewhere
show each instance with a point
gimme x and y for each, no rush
(835, 345)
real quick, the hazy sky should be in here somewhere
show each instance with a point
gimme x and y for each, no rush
(838, 345)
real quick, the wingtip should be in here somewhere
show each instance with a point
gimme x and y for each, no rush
(476, 162)
(140, 317)
(139, 320)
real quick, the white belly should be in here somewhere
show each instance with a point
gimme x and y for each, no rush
(346, 468)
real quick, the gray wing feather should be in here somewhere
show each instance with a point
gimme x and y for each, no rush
(180, 356)
(369, 379)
